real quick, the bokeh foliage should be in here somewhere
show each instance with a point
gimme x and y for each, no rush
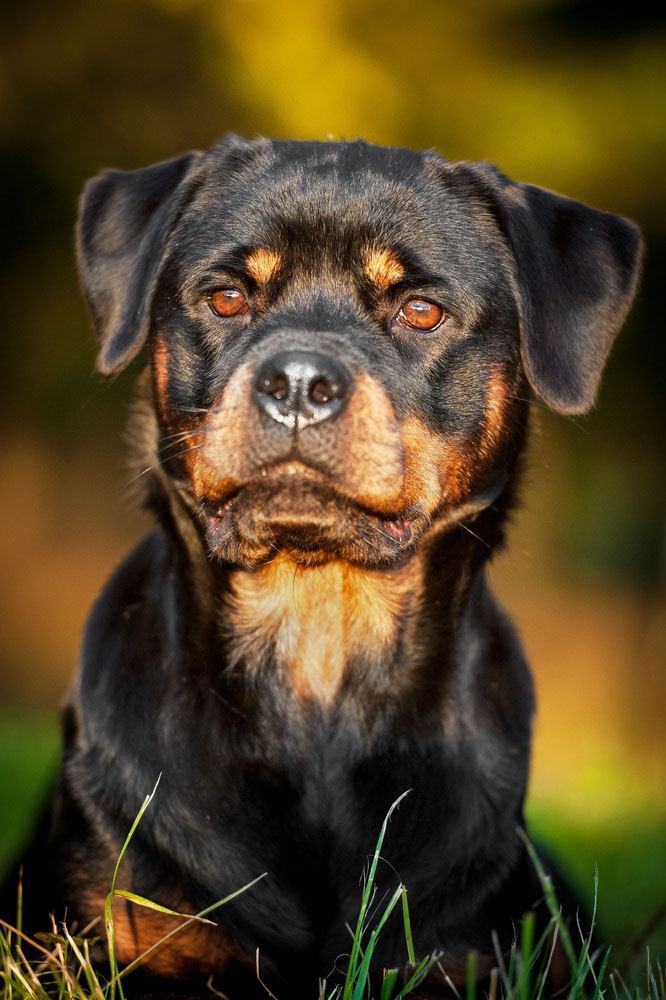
(566, 94)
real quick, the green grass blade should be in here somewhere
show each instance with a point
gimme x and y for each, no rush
(361, 985)
(352, 970)
(419, 974)
(149, 904)
(501, 966)
(19, 907)
(389, 983)
(526, 956)
(511, 971)
(139, 816)
(601, 976)
(551, 901)
(411, 954)
(108, 902)
(472, 973)
(547, 961)
(91, 978)
(190, 920)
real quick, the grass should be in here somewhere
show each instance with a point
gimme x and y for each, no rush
(59, 965)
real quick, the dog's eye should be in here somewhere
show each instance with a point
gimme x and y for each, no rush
(228, 302)
(419, 314)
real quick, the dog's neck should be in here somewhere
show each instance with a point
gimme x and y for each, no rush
(311, 623)
(335, 632)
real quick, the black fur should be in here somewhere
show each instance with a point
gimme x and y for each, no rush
(255, 778)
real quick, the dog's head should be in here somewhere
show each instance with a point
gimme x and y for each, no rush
(341, 334)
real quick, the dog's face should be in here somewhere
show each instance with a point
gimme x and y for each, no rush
(341, 334)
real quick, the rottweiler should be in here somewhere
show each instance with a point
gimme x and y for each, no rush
(342, 342)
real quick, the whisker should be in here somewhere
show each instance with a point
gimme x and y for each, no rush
(179, 454)
(134, 478)
(164, 450)
(178, 434)
(544, 406)
(472, 533)
(524, 399)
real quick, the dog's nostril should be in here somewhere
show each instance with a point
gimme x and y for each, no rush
(323, 391)
(275, 384)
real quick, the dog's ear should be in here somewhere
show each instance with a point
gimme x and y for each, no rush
(125, 217)
(575, 272)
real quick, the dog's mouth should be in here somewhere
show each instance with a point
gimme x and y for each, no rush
(293, 510)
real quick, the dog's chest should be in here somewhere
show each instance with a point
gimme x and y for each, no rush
(310, 623)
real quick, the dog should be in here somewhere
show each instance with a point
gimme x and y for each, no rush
(342, 341)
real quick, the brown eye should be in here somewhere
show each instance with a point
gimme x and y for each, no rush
(228, 302)
(419, 314)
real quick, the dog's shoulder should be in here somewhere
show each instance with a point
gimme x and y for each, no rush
(129, 620)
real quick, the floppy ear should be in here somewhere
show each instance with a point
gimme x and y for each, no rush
(576, 272)
(125, 217)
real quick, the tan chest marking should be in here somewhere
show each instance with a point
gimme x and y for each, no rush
(313, 620)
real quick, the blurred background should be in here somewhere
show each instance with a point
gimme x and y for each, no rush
(570, 95)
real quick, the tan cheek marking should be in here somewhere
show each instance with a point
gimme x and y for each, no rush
(458, 472)
(311, 620)
(494, 421)
(426, 455)
(373, 455)
(439, 468)
(383, 268)
(161, 376)
(262, 264)
(216, 467)
(196, 948)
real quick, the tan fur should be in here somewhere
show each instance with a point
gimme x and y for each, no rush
(314, 619)
(426, 454)
(263, 264)
(216, 467)
(496, 401)
(440, 469)
(198, 948)
(372, 473)
(161, 376)
(383, 268)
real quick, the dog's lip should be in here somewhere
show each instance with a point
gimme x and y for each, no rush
(397, 527)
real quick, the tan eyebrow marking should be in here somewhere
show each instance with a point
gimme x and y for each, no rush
(263, 264)
(383, 268)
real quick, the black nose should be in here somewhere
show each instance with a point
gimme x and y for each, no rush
(300, 388)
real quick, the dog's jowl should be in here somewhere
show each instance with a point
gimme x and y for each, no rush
(341, 341)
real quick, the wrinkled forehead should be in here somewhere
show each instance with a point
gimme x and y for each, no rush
(333, 200)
